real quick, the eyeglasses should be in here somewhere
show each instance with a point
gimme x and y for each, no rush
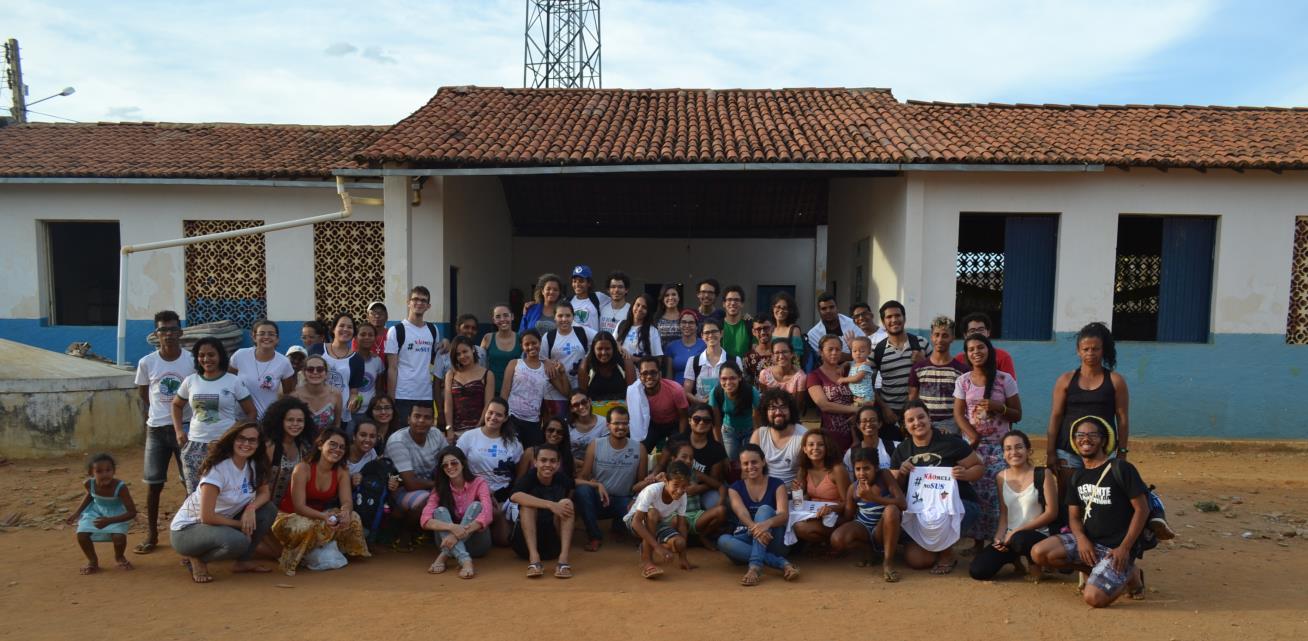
(708, 291)
(315, 370)
(701, 419)
(648, 374)
(247, 440)
(333, 445)
(712, 332)
(687, 323)
(580, 403)
(1087, 436)
(862, 314)
(452, 463)
(168, 330)
(420, 301)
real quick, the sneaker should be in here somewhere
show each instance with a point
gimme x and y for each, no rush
(1161, 529)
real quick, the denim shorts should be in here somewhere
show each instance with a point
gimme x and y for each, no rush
(1103, 575)
(1070, 460)
(160, 446)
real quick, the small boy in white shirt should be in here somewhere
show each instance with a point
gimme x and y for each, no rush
(658, 517)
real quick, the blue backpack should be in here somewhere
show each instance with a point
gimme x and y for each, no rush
(371, 493)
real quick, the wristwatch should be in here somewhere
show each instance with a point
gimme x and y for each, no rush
(1123, 450)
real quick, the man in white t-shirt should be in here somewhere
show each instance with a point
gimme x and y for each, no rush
(158, 375)
(586, 302)
(612, 314)
(410, 358)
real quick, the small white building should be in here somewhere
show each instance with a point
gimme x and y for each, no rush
(1185, 228)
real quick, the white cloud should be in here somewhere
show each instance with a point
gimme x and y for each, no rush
(342, 62)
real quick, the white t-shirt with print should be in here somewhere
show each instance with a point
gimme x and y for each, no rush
(338, 377)
(708, 372)
(651, 499)
(631, 342)
(214, 405)
(373, 370)
(413, 360)
(567, 350)
(235, 490)
(164, 378)
(610, 318)
(263, 380)
(586, 314)
(495, 460)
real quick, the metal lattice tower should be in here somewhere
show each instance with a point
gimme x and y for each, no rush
(562, 46)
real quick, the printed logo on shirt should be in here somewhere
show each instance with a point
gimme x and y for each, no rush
(930, 482)
(336, 380)
(168, 385)
(1090, 495)
(266, 383)
(582, 315)
(204, 407)
(367, 382)
(926, 459)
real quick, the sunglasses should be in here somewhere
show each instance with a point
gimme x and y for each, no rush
(701, 419)
(315, 369)
(553, 430)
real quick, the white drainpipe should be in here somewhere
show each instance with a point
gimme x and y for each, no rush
(347, 208)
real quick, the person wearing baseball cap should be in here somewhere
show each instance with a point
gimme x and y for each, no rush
(377, 317)
(586, 302)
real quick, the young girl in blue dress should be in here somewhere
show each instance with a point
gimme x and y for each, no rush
(105, 513)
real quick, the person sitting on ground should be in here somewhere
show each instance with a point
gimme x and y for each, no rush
(381, 411)
(705, 508)
(1028, 505)
(928, 447)
(868, 424)
(319, 507)
(584, 426)
(545, 515)
(781, 439)
(1107, 510)
(459, 512)
(494, 450)
(656, 407)
(363, 450)
(413, 451)
(613, 465)
(658, 518)
(759, 512)
(229, 513)
(822, 479)
(556, 434)
(872, 511)
(291, 433)
(861, 377)
(105, 513)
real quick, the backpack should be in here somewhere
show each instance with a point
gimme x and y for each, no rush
(879, 352)
(371, 493)
(431, 327)
(1148, 539)
(552, 337)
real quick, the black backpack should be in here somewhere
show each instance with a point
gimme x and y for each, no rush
(879, 352)
(1147, 540)
(371, 493)
(431, 327)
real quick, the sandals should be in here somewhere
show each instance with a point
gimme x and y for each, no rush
(563, 571)
(535, 570)
(945, 568)
(890, 575)
(437, 566)
(651, 571)
(751, 578)
(790, 573)
(145, 547)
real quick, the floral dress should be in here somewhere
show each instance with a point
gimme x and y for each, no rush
(991, 428)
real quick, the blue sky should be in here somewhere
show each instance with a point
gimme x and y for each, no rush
(339, 62)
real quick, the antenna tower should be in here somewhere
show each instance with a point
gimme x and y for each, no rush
(562, 47)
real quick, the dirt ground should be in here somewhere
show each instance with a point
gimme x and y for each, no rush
(1237, 573)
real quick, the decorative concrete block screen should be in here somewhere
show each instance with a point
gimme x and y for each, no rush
(225, 279)
(349, 261)
(1296, 326)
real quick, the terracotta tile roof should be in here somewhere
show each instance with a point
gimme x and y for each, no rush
(174, 150)
(480, 127)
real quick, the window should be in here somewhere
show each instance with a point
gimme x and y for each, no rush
(225, 279)
(349, 267)
(1005, 267)
(84, 272)
(1296, 325)
(1162, 288)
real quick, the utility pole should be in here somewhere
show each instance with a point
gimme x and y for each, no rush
(14, 74)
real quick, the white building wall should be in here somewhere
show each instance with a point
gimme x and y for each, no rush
(478, 229)
(747, 262)
(871, 208)
(152, 213)
(1256, 213)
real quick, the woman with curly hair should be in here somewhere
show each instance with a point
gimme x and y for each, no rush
(229, 512)
(319, 507)
(539, 315)
(290, 432)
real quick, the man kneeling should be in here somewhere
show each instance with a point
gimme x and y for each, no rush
(545, 514)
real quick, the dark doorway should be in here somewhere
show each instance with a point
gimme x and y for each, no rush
(84, 272)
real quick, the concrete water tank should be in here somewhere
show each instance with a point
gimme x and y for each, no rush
(53, 404)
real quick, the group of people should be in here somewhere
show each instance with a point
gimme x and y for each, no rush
(682, 426)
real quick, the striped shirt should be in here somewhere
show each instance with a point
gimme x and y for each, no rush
(896, 365)
(935, 386)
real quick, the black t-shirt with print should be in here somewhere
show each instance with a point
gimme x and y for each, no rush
(708, 456)
(1110, 517)
(944, 450)
(555, 491)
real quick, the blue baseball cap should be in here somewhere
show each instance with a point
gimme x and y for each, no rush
(581, 271)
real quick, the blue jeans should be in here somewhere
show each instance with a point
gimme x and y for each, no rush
(734, 440)
(740, 547)
(480, 541)
(588, 505)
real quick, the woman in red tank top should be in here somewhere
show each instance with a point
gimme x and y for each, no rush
(319, 508)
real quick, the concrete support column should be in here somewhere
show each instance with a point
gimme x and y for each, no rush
(398, 216)
(820, 262)
(915, 251)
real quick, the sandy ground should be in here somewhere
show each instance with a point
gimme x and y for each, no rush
(1233, 574)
